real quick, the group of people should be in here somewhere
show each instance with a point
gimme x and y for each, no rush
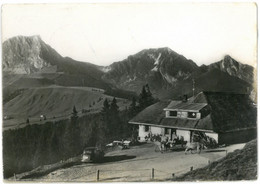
(198, 142)
(165, 141)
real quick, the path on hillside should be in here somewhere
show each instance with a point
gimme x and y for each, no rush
(136, 163)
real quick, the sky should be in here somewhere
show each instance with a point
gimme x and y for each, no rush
(105, 33)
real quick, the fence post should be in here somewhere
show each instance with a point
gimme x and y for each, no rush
(152, 176)
(14, 177)
(191, 168)
(173, 175)
(226, 152)
(97, 175)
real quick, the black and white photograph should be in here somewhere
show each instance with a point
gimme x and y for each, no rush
(129, 92)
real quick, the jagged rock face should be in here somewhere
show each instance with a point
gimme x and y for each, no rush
(21, 55)
(27, 55)
(39, 61)
(234, 68)
(159, 67)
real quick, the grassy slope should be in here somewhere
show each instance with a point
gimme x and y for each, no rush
(238, 165)
(56, 101)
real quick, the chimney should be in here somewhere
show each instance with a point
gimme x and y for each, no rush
(185, 98)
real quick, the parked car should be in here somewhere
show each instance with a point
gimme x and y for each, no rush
(92, 154)
(7, 117)
(120, 144)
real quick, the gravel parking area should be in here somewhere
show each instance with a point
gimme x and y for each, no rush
(136, 164)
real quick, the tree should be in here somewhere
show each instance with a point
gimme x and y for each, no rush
(142, 98)
(115, 124)
(105, 110)
(101, 134)
(150, 100)
(72, 139)
(104, 121)
(114, 107)
(133, 108)
(145, 97)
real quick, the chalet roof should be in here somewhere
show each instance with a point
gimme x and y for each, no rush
(186, 106)
(152, 114)
(229, 112)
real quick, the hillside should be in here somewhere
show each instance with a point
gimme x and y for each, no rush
(55, 101)
(238, 165)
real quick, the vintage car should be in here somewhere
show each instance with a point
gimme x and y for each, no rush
(7, 117)
(92, 154)
(119, 144)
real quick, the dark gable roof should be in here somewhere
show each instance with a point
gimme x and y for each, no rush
(152, 114)
(229, 112)
(178, 122)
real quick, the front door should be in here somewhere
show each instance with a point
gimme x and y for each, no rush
(173, 133)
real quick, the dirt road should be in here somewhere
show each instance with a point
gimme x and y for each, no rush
(136, 163)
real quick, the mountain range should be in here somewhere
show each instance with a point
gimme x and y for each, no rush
(170, 74)
(28, 62)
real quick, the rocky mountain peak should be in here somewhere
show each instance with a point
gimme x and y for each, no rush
(234, 68)
(160, 66)
(21, 55)
(229, 62)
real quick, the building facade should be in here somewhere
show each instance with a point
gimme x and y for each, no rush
(225, 117)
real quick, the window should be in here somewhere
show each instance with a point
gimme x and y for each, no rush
(146, 128)
(167, 130)
(182, 114)
(173, 113)
(192, 114)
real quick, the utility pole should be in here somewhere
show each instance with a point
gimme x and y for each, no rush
(193, 87)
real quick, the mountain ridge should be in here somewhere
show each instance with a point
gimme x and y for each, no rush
(162, 68)
(148, 65)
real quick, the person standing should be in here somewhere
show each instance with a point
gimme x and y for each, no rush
(163, 142)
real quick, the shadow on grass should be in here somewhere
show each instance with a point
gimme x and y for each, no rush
(212, 151)
(113, 178)
(121, 158)
(178, 149)
(41, 171)
(44, 171)
(115, 158)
